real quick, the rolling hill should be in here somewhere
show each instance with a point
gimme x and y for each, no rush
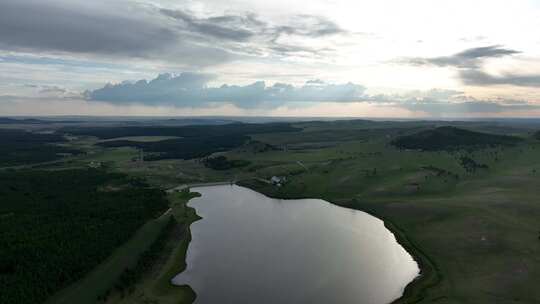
(452, 138)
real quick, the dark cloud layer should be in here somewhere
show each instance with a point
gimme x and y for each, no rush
(189, 89)
(116, 30)
(56, 26)
(125, 29)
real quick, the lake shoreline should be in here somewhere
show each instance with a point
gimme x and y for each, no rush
(429, 275)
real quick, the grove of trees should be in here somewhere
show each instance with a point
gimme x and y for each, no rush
(19, 147)
(192, 141)
(55, 226)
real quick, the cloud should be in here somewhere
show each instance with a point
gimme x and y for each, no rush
(480, 78)
(101, 30)
(242, 27)
(190, 93)
(435, 94)
(72, 27)
(122, 29)
(439, 95)
(228, 27)
(310, 26)
(104, 30)
(52, 61)
(470, 67)
(256, 36)
(452, 103)
(444, 108)
(469, 58)
(191, 90)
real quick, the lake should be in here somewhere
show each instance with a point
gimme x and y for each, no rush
(249, 248)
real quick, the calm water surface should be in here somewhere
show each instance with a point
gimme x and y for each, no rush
(249, 248)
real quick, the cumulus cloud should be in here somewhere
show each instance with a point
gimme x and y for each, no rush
(191, 90)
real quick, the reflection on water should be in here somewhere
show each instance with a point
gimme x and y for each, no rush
(249, 248)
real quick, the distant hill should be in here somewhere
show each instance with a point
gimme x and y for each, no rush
(6, 120)
(31, 121)
(452, 138)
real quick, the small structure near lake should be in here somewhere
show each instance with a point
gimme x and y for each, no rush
(278, 180)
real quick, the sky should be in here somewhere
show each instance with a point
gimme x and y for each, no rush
(380, 58)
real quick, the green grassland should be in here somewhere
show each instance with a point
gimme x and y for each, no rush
(475, 232)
